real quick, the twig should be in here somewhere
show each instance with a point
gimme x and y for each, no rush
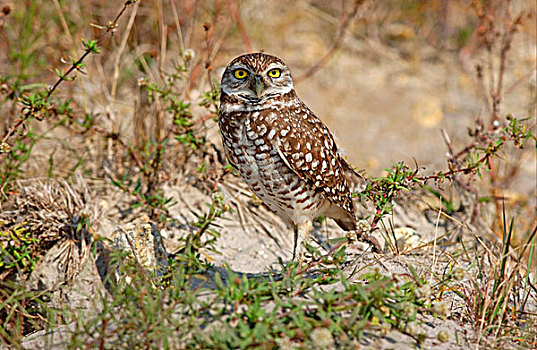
(234, 12)
(347, 20)
(110, 27)
(63, 22)
(119, 53)
(448, 174)
(75, 66)
(447, 140)
(435, 240)
(179, 31)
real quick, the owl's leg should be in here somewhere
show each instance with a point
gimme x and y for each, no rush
(302, 233)
(295, 242)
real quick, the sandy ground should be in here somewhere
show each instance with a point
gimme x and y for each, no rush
(252, 240)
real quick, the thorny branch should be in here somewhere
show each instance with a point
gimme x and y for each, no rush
(110, 28)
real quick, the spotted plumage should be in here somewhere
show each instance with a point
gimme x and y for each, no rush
(285, 154)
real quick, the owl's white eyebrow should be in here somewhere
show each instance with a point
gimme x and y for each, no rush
(239, 65)
(272, 66)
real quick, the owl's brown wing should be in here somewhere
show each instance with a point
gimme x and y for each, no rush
(308, 148)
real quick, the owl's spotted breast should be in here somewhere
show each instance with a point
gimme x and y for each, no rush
(253, 145)
(285, 154)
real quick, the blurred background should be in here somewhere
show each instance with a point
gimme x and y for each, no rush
(398, 72)
(386, 76)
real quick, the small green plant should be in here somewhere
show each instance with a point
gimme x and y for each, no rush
(302, 306)
(17, 247)
(153, 201)
(35, 104)
(203, 238)
(15, 157)
(496, 298)
(150, 159)
(382, 191)
(497, 307)
(473, 160)
(232, 310)
(21, 311)
(211, 98)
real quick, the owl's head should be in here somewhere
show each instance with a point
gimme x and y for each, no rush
(256, 77)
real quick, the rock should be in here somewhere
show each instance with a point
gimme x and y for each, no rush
(145, 243)
(68, 274)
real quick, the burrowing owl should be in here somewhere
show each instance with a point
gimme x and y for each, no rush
(285, 154)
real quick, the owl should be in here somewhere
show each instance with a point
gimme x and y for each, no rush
(285, 154)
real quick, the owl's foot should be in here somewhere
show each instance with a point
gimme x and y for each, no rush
(371, 240)
(301, 233)
(295, 242)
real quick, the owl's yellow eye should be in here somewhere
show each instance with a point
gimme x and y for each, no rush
(274, 73)
(240, 73)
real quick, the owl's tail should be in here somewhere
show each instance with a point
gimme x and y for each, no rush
(347, 225)
(356, 181)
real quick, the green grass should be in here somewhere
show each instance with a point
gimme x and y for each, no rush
(233, 310)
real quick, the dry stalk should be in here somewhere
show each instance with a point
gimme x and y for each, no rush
(110, 28)
(342, 31)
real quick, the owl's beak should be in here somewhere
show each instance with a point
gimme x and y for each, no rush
(259, 86)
